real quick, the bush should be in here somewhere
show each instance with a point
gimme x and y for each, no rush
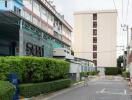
(89, 73)
(6, 90)
(82, 74)
(33, 69)
(126, 74)
(34, 89)
(93, 72)
(111, 71)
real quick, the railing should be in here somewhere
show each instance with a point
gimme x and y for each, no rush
(52, 9)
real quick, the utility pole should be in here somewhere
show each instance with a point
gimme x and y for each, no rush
(126, 28)
(131, 33)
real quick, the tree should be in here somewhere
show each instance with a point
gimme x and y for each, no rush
(120, 60)
(72, 52)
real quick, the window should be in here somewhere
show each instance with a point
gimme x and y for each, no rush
(94, 39)
(44, 12)
(6, 3)
(30, 1)
(95, 16)
(94, 47)
(94, 32)
(27, 15)
(94, 55)
(35, 21)
(36, 5)
(17, 10)
(95, 62)
(94, 24)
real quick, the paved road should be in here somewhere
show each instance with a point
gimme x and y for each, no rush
(102, 89)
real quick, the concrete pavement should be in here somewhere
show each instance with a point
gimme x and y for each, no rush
(105, 88)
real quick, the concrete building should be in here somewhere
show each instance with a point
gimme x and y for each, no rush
(32, 28)
(78, 65)
(95, 34)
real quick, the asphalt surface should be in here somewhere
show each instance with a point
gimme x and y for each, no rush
(110, 88)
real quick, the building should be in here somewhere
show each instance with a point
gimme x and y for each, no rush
(62, 53)
(95, 36)
(78, 65)
(32, 28)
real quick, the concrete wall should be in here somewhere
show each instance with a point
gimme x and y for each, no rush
(74, 71)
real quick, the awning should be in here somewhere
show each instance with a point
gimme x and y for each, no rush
(9, 25)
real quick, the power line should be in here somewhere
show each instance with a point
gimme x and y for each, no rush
(122, 11)
(127, 11)
(116, 11)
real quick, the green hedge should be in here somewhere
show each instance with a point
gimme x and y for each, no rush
(6, 90)
(33, 69)
(126, 74)
(34, 89)
(89, 73)
(111, 71)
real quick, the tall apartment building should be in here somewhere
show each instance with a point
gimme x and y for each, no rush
(95, 36)
(32, 27)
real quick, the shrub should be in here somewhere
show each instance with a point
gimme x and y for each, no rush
(93, 72)
(34, 89)
(126, 74)
(33, 69)
(83, 74)
(89, 73)
(6, 90)
(111, 71)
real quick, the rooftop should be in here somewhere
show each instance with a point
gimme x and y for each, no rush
(94, 11)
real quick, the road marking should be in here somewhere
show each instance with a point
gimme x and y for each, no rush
(102, 91)
(114, 93)
(125, 92)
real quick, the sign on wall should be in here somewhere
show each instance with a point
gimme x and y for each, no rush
(34, 50)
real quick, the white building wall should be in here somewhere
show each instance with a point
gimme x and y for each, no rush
(83, 36)
(106, 39)
(106, 36)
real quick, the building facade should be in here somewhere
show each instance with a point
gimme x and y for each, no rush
(32, 27)
(95, 36)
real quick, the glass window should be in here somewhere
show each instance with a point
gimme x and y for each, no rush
(94, 32)
(94, 55)
(94, 24)
(44, 11)
(95, 62)
(94, 47)
(94, 39)
(36, 5)
(6, 3)
(35, 21)
(28, 16)
(95, 16)
(17, 10)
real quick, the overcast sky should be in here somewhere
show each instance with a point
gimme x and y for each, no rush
(68, 7)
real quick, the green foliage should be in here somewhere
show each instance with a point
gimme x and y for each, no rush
(83, 74)
(89, 73)
(93, 72)
(6, 90)
(126, 74)
(111, 71)
(34, 89)
(33, 69)
(120, 60)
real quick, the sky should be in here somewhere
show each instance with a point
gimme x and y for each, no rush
(68, 7)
